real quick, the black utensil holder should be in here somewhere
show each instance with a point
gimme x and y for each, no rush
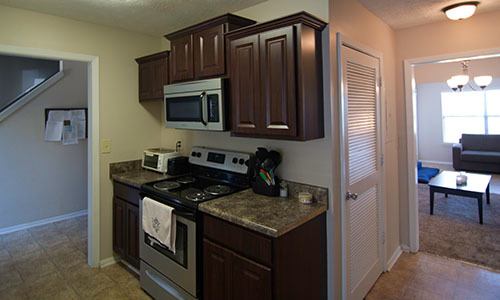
(259, 186)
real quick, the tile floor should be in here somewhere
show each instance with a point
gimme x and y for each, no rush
(426, 276)
(49, 262)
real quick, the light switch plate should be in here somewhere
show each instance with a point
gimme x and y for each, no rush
(105, 146)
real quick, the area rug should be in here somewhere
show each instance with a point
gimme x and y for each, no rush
(454, 230)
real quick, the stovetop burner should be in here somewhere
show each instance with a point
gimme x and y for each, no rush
(166, 185)
(186, 180)
(218, 189)
(193, 194)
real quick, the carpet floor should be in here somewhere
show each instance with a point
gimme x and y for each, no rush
(454, 230)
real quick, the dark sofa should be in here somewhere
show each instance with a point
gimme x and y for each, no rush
(477, 152)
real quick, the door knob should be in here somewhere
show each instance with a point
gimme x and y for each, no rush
(351, 196)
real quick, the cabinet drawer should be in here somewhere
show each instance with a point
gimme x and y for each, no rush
(238, 239)
(127, 193)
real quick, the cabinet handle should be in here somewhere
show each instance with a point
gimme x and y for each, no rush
(351, 196)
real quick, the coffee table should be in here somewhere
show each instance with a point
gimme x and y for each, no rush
(477, 185)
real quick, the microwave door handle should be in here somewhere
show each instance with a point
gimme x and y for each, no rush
(204, 108)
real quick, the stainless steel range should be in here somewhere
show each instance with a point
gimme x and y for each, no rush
(214, 173)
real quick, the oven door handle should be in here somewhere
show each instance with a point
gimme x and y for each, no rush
(187, 215)
(204, 108)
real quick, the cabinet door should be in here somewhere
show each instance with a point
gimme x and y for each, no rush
(119, 208)
(245, 85)
(160, 77)
(181, 59)
(132, 235)
(146, 79)
(209, 52)
(249, 280)
(216, 272)
(278, 82)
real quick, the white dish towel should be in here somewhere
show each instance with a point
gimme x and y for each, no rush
(159, 222)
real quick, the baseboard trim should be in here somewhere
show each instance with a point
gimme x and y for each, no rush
(24, 226)
(109, 261)
(390, 263)
(445, 163)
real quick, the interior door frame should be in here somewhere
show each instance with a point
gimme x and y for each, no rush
(411, 131)
(93, 175)
(342, 40)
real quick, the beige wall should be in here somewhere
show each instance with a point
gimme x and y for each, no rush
(477, 33)
(130, 125)
(56, 174)
(355, 22)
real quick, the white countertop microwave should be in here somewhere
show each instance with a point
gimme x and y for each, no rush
(196, 105)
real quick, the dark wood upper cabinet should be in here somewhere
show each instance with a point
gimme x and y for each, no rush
(245, 83)
(198, 52)
(277, 69)
(288, 95)
(181, 64)
(209, 59)
(153, 75)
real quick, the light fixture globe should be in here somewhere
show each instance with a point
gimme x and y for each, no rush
(460, 80)
(452, 84)
(483, 81)
(460, 11)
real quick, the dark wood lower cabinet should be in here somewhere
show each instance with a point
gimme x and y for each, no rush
(126, 224)
(240, 264)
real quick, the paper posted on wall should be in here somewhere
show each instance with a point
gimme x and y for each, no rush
(67, 126)
(69, 135)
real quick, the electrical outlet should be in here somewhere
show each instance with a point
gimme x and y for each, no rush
(105, 146)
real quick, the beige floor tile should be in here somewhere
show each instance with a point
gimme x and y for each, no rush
(111, 293)
(61, 249)
(69, 259)
(118, 274)
(44, 230)
(51, 241)
(9, 279)
(51, 286)
(14, 293)
(89, 286)
(35, 268)
(20, 250)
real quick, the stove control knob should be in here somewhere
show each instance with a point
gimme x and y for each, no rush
(242, 161)
(235, 160)
(193, 154)
(247, 162)
(198, 154)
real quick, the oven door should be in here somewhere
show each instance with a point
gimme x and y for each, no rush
(202, 110)
(179, 268)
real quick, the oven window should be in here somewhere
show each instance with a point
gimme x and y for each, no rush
(183, 109)
(181, 246)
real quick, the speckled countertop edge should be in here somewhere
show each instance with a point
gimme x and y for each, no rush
(272, 216)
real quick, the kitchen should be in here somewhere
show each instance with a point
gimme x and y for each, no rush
(252, 234)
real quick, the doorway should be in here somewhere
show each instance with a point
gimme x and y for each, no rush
(433, 111)
(93, 257)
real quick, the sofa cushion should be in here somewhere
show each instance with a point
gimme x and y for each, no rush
(481, 142)
(481, 156)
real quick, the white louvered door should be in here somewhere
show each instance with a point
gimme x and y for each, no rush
(362, 165)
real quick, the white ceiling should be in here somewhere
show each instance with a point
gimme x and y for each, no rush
(154, 17)
(407, 13)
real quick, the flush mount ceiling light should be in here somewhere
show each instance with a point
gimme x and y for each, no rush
(458, 82)
(460, 11)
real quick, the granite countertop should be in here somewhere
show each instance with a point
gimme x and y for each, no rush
(272, 216)
(136, 178)
(132, 173)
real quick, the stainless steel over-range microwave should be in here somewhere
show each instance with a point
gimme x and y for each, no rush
(196, 105)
